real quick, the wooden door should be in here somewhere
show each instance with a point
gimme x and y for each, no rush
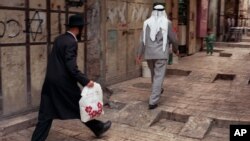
(172, 12)
(123, 26)
(191, 34)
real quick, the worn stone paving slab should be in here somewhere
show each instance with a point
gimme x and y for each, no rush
(25, 133)
(56, 136)
(15, 137)
(144, 134)
(214, 139)
(219, 133)
(222, 119)
(131, 96)
(201, 77)
(196, 127)
(168, 126)
(138, 115)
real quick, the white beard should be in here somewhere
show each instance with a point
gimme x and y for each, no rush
(157, 22)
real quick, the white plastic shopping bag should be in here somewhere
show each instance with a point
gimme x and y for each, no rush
(91, 103)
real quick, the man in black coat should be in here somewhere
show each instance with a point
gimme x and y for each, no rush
(60, 92)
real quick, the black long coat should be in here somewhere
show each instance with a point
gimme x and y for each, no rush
(60, 92)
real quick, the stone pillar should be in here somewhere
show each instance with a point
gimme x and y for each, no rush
(93, 45)
(221, 20)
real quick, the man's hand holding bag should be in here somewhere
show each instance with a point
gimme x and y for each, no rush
(91, 103)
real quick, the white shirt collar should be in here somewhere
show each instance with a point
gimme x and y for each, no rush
(73, 35)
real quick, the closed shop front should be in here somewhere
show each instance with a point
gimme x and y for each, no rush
(122, 32)
(27, 31)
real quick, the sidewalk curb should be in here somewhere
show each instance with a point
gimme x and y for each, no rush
(18, 123)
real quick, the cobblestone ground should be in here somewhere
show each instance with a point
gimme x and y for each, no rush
(73, 130)
(203, 96)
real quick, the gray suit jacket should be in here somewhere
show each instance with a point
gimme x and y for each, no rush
(153, 49)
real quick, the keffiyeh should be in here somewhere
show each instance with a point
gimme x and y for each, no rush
(157, 22)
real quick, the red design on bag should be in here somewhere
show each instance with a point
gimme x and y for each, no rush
(88, 109)
(99, 105)
(99, 112)
(95, 113)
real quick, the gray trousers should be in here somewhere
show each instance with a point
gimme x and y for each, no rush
(158, 70)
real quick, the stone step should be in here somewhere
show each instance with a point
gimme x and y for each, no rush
(233, 44)
(138, 115)
(196, 127)
(121, 132)
(245, 40)
(18, 123)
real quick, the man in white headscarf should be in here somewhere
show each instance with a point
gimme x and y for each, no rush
(154, 45)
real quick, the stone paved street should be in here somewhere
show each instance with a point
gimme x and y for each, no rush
(203, 96)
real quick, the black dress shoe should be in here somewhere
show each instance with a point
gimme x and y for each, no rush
(105, 128)
(151, 107)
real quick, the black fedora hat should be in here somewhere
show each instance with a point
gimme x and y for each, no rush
(75, 21)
